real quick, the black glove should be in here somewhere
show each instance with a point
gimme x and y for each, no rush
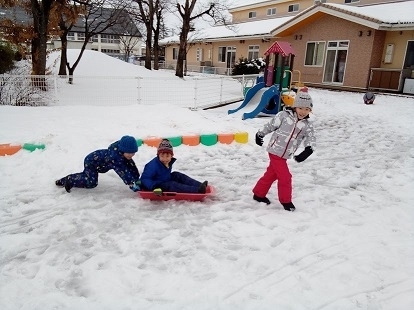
(259, 139)
(305, 154)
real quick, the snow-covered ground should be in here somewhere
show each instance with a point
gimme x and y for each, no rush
(348, 245)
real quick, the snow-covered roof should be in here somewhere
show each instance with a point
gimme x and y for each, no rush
(236, 4)
(388, 16)
(377, 16)
(391, 13)
(261, 28)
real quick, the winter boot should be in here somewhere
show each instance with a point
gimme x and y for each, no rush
(203, 187)
(59, 183)
(288, 206)
(68, 184)
(261, 199)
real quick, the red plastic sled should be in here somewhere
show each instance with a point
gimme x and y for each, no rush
(177, 196)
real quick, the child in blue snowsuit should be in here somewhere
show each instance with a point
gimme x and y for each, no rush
(118, 156)
(157, 175)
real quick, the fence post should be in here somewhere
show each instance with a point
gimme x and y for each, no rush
(138, 89)
(55, 85)
(221, 89)
(243, 85)
(195, 94)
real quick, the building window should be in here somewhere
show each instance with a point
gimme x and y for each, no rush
(222, 54)
(81, 36)
(335, 62)
(109, 51)
(199, 54)
(271, 11)
(95, 38)
(253, 52)
(71, 36)
(351, 1)
(314, 53)
(409, 56)
(109, 38)
(293, 8)
(175, 53)
(252, 14)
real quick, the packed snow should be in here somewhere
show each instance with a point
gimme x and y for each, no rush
(348, 245)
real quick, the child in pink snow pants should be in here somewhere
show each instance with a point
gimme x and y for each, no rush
(291, 128)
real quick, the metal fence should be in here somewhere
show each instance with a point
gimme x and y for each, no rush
(193, 68)
(195, 92)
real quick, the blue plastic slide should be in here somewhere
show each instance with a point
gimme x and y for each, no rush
(260, 97)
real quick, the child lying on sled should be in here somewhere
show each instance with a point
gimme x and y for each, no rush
(157, 175)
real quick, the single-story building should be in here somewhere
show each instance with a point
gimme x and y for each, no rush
(336, 45)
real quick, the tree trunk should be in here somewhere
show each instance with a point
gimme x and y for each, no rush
(40, 21)
(72, 69)
(148, 49)
(63, 55)
(156, 50)
(182, 52)
(64, 49)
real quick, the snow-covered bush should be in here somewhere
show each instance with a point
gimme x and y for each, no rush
(19, 88)
(244, 66)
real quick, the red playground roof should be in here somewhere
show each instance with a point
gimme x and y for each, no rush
(281, 47)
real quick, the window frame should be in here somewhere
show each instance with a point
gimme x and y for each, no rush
(70, 36)
(291, 8)
(252, 14)
(318, 54)
(110, 38)
(199, 54)
(271, 12)
(253, 50)
(175, 53)
(221, 57)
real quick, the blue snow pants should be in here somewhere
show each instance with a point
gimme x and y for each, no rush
(180, 183)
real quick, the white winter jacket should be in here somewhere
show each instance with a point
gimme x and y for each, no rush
(288, 133)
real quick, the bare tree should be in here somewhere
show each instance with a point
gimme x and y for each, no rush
(156, 30)
(130, 38)
(147, 9)
(67, 15)
(151, 14)
(189, 12)
(40, 11)
(99, 16)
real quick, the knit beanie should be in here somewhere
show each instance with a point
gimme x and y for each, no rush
(128, 144)
(165, 147)
(303, 99)
(369, 98)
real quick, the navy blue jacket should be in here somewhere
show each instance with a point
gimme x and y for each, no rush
(155, 173)
(111, 158)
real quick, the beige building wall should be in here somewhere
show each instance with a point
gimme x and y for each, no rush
(329, 28)
(261, 11)
(210, 51)
(366, 49)
(399, 40)
(242, 14)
